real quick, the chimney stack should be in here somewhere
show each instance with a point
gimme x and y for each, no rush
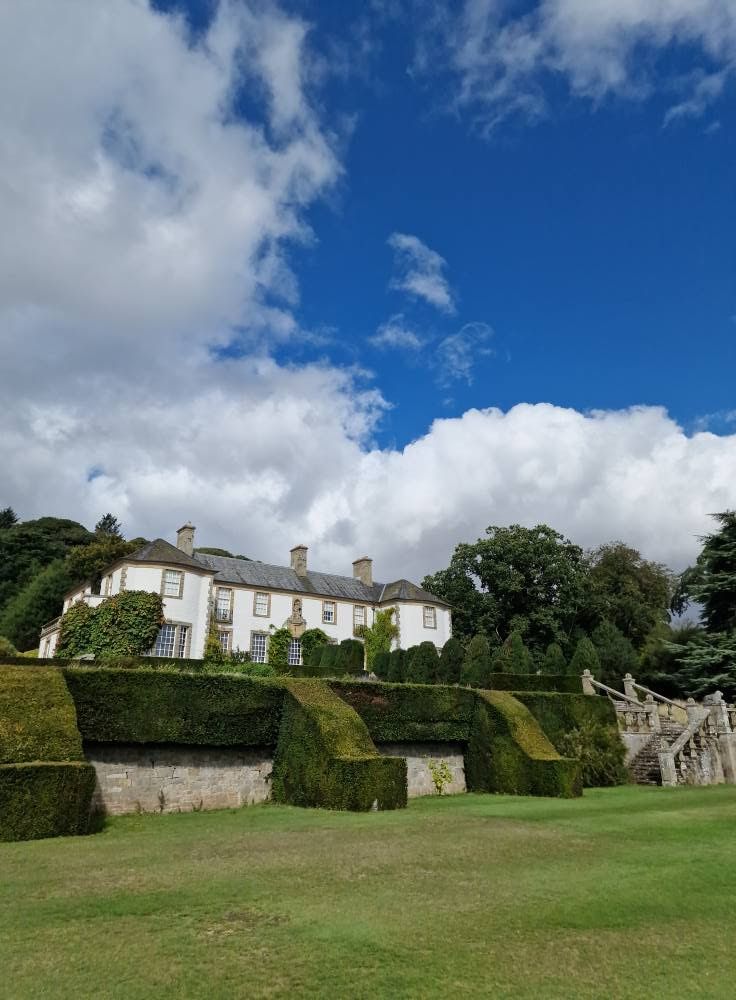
(363, 570)
(299, 560)
(185, 538)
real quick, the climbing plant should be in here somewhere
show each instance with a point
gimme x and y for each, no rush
(124, 625)
(278, 648)
(378, 637)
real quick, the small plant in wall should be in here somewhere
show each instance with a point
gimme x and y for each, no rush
(441, 774)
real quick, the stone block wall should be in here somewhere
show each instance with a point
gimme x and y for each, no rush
(160, 778)
(418, 758)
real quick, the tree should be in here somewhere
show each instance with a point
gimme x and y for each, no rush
(712, 582)
(88, 562)
(660, 660)
(476, 670)
(7, 648)
(616, 654)
(312, 642)
(513, 657)
(424, 664)
(29, 546)
(451, 662)
(553, 661)
(378, 637)
(584, 658)
(8, 518)
(626, 590)
(40, 601)
(397, 666)
(108, 527)
(350, 657)
(529, 580)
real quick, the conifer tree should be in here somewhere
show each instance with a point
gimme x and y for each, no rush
(584, 658)
(381, 664)
(396, 666)
(553, 661)
(513, 657)
(616, 654)
(451, 662)
(476, 670)
(423, 664)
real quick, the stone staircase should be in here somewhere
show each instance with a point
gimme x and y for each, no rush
(644, 766)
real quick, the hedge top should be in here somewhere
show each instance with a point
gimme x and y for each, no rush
(37, 717)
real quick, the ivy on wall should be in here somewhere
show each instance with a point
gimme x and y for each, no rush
(124, 625)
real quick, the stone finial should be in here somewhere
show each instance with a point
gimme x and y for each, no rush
(185, 538)
(299, 560)
(363, 570)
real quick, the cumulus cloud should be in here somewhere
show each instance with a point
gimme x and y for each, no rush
(395, 333)
(501, 57)
(419, 271)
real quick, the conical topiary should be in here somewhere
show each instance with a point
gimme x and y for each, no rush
(423, 664)
(451, 662)
(584, 658)
(397, 666)
(381, 663)
(476, 669)
(553, 661)
(513, 657)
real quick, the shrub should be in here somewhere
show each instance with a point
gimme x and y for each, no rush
(37, 718)
(407, 713)
(513, 657)
(584, 658)
(451, 662)
(553, 661)
(123, 625)
(350, 657)
(476, 670)
(45, 799)
(424, 664)
(379, 636)
(160, 706)
(397, 666)
(278, 648)
(326, 758)
(381, 664)
(600, 751)
(7, 648)
(312, 640)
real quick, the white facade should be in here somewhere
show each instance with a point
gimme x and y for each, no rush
(245, 614)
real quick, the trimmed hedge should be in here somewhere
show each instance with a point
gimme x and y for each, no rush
(37, 717)
(559, 714)
(151, 706)
(45, 799)
(326, 758)
(508, 752)
(563, 683)
(406, 713)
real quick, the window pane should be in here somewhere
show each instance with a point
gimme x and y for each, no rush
(164, 645)
(295, 653)
(258, 647)
(261, 604)
(182, 648)
(223, 604)
(172, 583)
(359, 615)
(224, 638)
(429, 618)
(328, 611)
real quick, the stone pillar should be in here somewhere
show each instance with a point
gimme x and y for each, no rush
(586, 679)
(727, 749)
(693, 711)
(668, 769)
(629, 688)
(652, 711)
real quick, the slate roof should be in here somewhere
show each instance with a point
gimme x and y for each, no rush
(251, 573)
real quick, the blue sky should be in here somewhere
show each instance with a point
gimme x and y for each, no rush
(370, 276)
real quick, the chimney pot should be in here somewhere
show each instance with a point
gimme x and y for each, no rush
(185, 538)
(299, 560)
(363, 570)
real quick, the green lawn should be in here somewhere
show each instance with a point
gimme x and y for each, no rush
(628, 892)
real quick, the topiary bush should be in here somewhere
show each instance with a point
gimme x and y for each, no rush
(476, 669)
(278, 648)
(450, 666)
(584, 658)
(513, 657)
(397, 666)
(7, 648)
(553, 661)
(424, 664)
(350, 657)
(45, 799)
(326, 758)
(381, 664)
(600, 751)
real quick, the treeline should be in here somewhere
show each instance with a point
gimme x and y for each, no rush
(42, 559)
(608, 609)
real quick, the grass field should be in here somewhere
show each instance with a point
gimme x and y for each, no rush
(628, 892)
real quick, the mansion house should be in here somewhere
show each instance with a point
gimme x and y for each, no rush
(245, 600)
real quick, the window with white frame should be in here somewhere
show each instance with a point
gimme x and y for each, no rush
(358, 615)
(224, 604)
(329, 612)
(171, 640)
(173, 583)
(224, 638)
(295, 653)
(430, 618)
(258, 647)
(262, 604)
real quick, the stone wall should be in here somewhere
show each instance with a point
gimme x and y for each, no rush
(161, 778)
(418, 758)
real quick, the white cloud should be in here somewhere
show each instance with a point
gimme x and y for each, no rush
(395, 333)
(458, 354)
(501, 57)
(419, 271)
